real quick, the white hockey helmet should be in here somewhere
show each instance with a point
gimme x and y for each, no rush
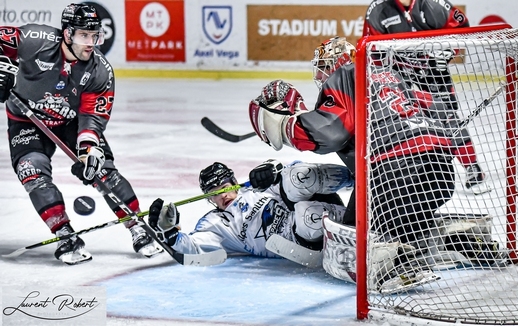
(329, 56)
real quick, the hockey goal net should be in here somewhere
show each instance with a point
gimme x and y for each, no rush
(478, 65)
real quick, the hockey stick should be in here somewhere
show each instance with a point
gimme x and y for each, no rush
(217, 131)
(98, 184)
(294, 252)
(478, 110)
(20, 251)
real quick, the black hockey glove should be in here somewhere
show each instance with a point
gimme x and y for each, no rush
(8, 72)
(266, 174)
(77, 170)
(165, 221)
(93, 158)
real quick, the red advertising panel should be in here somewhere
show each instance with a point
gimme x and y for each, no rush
(155, 30)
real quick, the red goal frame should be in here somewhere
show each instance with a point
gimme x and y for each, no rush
(362, 102)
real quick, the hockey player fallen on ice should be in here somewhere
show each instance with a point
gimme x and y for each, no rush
(412, 169)
(69, 85)
(288, 201)
(428, 71)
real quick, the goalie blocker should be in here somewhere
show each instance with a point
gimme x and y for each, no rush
(458, 240)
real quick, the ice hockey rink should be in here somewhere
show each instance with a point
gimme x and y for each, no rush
(160, 146)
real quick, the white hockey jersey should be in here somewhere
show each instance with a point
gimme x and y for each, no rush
(246, 224)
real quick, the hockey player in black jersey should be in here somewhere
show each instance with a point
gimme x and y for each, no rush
(432, 73)
(69, 85)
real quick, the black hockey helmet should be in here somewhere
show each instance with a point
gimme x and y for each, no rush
(80, 16)
(215, 175)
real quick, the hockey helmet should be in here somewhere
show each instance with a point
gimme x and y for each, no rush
(329, 56)
(215, 175)
(80, 16)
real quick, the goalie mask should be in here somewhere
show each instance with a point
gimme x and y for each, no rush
(214, 176)
(82, 17)
(329, 56)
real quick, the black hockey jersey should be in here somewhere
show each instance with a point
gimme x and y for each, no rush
(389, 16)
(57, 90)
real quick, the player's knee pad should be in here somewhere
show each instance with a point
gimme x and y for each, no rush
(308, 218)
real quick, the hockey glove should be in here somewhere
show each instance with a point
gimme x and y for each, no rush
(165, 221)
(266, 174)
(8, 72)
(91, 159)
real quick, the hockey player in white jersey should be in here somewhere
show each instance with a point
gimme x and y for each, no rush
(288, 201)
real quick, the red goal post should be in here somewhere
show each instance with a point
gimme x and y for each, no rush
(486, 60)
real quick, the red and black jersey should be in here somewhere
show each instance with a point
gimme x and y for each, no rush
(58, 90)
(398, 126)
(390, 16)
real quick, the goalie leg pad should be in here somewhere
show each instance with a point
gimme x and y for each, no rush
(385, 272)
(339, 249)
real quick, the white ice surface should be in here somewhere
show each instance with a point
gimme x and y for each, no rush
(160, 147)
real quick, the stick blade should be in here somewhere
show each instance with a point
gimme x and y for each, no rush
(15, 253)
(294, 252)
(217, 131)
(211, 258)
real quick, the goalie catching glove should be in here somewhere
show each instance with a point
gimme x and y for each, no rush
(165, 221)
(273, 113)
(91, 160)
(266, 174)
(8, 72)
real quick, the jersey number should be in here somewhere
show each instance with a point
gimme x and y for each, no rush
(103, 104)
(397, 101)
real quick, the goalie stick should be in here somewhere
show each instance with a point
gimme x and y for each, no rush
(217, 131)
(294, 252)
(98, 184)
(206, 259)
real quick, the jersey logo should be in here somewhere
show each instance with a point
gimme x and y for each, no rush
(85, 78)
(274, 219)
(394, 20)
(302, 177)
(27, 171)
(44, 65)
(60, 85)
(53, 109)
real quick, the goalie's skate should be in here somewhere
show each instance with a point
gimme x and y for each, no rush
(143, 243)
(476, 180)
(407, 281)
(71, 251)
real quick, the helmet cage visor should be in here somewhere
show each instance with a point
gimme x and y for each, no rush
(86, 37)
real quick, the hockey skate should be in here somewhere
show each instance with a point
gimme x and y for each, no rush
(476, 180)
(476, 249)
(463, 240)
(406, 278)
(71, 251)
(143, 243)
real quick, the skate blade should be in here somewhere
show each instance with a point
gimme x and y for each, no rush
(151, 250)
(77, 257)
(479, 189)
(402, 283)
